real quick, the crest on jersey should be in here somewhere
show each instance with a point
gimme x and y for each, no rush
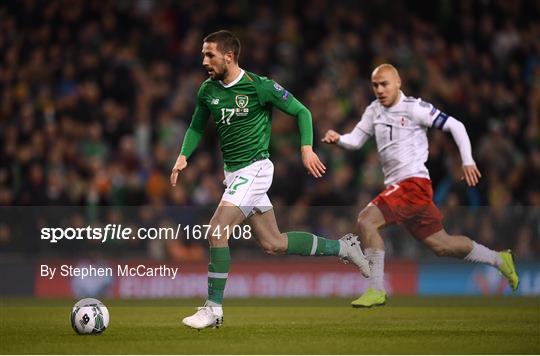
(241, 101)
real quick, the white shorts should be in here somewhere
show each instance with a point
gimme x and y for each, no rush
(247, 187)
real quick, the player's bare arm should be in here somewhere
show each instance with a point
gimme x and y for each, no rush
(312, 162)
(471, 175)
(181, 163)
(331, 137)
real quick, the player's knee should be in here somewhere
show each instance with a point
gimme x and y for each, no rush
(215, 221)
(364, 225)
(273, 248)
(218, 223)
(217, 233)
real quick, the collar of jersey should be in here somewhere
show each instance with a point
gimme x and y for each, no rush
(236, 80)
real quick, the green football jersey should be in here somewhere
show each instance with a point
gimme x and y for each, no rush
(242, 112)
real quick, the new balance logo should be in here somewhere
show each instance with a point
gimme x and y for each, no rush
(215, 101)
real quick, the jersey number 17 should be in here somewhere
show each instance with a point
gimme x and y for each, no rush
(226, 115)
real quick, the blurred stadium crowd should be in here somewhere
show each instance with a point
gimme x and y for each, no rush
(96, 97)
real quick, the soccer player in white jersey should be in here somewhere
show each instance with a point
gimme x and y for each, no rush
(399, 124)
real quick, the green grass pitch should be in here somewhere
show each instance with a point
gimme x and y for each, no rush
(406, 325)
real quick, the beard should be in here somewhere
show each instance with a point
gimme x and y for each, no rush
(219, 74)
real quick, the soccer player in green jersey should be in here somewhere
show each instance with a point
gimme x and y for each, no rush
(240, 104)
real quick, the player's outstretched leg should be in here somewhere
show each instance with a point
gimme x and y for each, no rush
(306, 244)
(211, 313)
(347, 248)
(462, 247)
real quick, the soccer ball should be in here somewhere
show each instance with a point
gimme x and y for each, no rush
(89, 316)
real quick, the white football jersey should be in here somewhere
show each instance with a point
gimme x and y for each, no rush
(400, 133)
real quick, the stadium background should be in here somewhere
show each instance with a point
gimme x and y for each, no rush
(96, 97)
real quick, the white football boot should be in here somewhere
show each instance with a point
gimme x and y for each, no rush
(350, 251)
(205, 317)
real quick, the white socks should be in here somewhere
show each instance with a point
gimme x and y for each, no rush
(376, 261)
(479, 253)
(342, 249)
(482, 254)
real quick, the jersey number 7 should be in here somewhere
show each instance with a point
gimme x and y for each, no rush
(391, 189)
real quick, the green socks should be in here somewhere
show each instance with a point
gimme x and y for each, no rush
(218, 271)
(306, 244)
(299, 243)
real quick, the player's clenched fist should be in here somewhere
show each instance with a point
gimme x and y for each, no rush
(331, 137)
(181, 163)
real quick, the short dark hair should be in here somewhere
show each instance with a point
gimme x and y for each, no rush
(226, 41)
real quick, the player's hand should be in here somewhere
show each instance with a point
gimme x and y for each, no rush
(331, 136)
(471, 174)
(312, 162)
(181, 163)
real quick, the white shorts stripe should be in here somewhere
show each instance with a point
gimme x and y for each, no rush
(313, 245)
(218, 275)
